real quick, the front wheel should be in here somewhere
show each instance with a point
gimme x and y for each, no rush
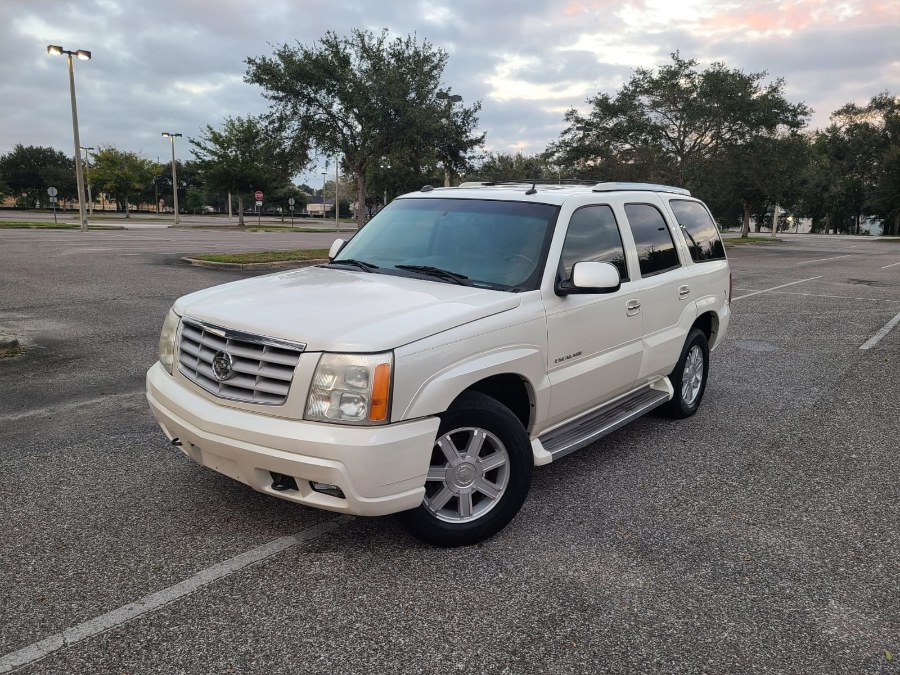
(479, 475)
(689, 377)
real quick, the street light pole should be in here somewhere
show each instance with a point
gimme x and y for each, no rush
(87, 175)
(324, 173)
(82, 55)
(171, 137)
(451, 99)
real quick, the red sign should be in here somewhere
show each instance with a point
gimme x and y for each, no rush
(259, 195)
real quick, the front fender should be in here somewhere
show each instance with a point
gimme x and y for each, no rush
(435, 394)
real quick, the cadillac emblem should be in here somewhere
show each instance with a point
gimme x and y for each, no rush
(222, 366)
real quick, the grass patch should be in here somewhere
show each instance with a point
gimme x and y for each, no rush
(265, 256)
(40, 225)
(11, 352)
(743, 241)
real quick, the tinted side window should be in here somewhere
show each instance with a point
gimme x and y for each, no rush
(593, 236)
(655, 248)
(699, 230)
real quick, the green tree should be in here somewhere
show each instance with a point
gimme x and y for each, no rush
(28, 170)
(123, 175)
(245, 155)
(505, 166)
(366, 98)
(672, 124)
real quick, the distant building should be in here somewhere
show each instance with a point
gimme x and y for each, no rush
(315, 206)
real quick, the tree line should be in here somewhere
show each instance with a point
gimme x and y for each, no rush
(379, 106)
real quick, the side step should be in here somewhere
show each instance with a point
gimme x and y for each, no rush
(588, 428)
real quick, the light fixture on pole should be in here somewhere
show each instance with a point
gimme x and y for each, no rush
(87, 177)
(451, 99)
(171, 137)
(81, 55)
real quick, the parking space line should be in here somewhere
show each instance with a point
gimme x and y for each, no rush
(838, 297)
(891, 265)
(154, 601)
(875, 339)
(806, 262)
(775, 288)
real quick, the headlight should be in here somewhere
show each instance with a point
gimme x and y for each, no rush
(167, 340)
(351, 389)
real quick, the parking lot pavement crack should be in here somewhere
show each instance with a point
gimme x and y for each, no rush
(155, 601)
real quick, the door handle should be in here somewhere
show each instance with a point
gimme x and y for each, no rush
(632, 307)
(683, 291)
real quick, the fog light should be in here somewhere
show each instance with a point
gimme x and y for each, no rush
(327, 489)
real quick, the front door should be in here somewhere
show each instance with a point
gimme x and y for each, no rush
(594, 339)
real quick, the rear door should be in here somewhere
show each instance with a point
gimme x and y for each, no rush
(665, 287)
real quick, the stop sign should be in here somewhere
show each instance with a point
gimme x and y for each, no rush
(259, 195)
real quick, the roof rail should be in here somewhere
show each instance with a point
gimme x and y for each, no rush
(547, 182)
(647, 187)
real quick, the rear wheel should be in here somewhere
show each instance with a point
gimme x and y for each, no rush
(689, 377)
(479, 475)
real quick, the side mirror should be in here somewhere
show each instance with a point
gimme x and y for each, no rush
(591, 277)
(335, 248)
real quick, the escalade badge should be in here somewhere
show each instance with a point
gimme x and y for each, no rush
(223, 366)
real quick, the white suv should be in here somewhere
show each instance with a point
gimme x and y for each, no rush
(462, 337)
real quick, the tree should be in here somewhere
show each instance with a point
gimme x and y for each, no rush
(29, 170)
(669, 125)
(367, 98)
(503, 166)
(122, 174)
(245, 156)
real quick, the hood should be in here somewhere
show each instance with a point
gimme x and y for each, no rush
(337, 310)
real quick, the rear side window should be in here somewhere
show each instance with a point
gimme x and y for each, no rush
(593, 236)
(655, 248)
(699, 230)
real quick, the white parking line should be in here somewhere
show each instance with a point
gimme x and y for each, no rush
(875, 339)
(891, 265)
(775, 288)
(154, 601)
(806, 262)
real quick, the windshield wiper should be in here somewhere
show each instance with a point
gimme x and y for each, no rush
(438, 272)
(361, 264)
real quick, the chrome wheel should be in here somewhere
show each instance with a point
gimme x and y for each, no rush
(692, 375)
(468, 475)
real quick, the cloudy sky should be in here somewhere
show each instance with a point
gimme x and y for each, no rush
(178, 64)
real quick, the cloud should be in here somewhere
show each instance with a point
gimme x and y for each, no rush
(179, 64)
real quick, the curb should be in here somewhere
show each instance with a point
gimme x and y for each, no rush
(279, 265)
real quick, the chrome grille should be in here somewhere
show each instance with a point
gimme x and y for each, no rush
(262, 367)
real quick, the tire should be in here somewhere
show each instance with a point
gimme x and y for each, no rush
(479, 476)
(689, 377)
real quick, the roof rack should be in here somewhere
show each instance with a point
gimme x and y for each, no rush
(546, 182)
(646, 187)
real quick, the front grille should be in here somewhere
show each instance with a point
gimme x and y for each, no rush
(262, 367)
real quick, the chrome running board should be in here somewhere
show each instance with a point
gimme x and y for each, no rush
(598, 423)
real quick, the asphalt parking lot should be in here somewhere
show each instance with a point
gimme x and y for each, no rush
(759, 536)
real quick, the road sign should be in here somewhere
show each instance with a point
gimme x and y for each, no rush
(291, 201)
(258, 203)
(259, 195)
(52, 200)
(52, 191)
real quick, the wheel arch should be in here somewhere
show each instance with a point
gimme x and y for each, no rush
(708, 322)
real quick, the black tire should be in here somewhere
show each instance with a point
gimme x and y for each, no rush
(442, 520)
(687, 398)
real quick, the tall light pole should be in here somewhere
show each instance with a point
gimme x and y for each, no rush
(87, 175)
(82, 55)
(324, 173)
(451, 99)
(171, 137)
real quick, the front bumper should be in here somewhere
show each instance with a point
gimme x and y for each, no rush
(379, 469)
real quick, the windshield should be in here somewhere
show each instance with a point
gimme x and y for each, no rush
(491, 244)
